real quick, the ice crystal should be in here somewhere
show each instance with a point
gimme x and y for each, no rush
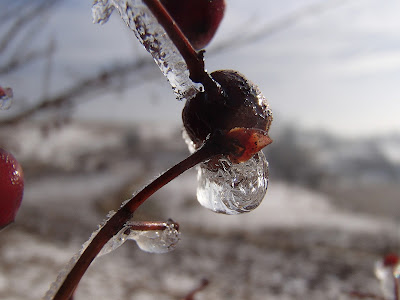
(153, 37)
(230, 188)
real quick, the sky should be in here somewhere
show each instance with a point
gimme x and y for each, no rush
(335, 68)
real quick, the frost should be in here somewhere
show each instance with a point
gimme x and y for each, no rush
(153, 37)
(233, 188)
(6, 97)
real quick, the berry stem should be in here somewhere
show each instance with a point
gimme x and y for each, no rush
(193, 59)
(118, 220)
(151, 225)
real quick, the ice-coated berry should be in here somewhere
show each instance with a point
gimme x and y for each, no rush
(237, 103)
(11, 187)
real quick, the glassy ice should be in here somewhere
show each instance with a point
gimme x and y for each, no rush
(153, 241)
(154, 38)
(233, 188)
(6, 97)
(157, 241)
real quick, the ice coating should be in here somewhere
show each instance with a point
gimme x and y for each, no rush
(115, 242)
(153, 37)
(6, 97)
(233, 188)
(68, 267)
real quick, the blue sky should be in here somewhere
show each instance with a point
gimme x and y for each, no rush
(337, 70)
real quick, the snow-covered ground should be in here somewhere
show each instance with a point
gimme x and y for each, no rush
(296, 245)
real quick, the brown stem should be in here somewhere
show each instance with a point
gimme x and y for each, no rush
(117, 221)
(193, 59)
(152, 225)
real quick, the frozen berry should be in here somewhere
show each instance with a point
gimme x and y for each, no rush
(235, 103)
(198, 19)
(11, 187)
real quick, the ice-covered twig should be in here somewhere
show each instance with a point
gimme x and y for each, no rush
(66, 285)
(162, 38)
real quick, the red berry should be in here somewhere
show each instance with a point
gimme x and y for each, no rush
(198, 19)
(390, 260)
(11, 187)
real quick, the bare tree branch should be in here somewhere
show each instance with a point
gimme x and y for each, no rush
(279, 25)
(93, 84)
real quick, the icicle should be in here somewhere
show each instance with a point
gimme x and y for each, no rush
(153, 37)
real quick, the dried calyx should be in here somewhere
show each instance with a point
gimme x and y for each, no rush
(232, 113)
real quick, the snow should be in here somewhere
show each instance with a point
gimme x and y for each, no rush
(296, 245)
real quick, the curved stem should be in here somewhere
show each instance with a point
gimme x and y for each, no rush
(193, 59)
(117, 221)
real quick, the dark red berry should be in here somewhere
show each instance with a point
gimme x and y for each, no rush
(235, 104)
(11, 187)
(390, 260)
(198, 19)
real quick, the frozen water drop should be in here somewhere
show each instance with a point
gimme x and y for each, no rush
(233, 188)
(6, 97)
(154, 241)
(157, 241)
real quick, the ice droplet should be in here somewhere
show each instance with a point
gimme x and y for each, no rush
(153, 241)
(6, 97)
(157, 241)
(233, 188)
(153, 37)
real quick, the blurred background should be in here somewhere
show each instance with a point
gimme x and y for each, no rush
(93, 120)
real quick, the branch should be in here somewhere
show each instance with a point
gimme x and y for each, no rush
(23, 21)
(96, 83)
(119, 219)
